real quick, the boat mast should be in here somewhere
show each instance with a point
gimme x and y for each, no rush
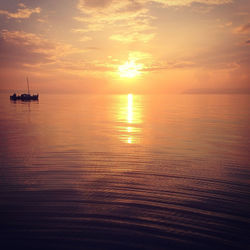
(28, 85)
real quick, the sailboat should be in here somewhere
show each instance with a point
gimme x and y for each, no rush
(25, 97)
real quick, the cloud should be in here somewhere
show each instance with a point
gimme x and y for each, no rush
(23, 38)
(22, 50)
(130, 17)
(22, 13)
(82, 38)
(111, 6)
(132, 37)
(85, 38)
(189, 2)
(18, 48)
(112, 10)
(133, 5)
(81, 66)
(160, 66)
(243, 29)
(109, 13)
(94, 3)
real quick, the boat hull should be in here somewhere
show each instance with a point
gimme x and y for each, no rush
(24, 97)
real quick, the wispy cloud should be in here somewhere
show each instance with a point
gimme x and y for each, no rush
(22, 48)
(243, 28)
(132, 37)
(21, 13)
(82, 37)
(85, 38)
(189, 2)
(130, 17)
(161, 66)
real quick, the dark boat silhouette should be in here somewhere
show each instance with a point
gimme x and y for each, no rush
(24, 97)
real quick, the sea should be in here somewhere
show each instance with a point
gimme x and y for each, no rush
(125, 172)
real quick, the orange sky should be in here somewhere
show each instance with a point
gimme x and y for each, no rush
(114, 46)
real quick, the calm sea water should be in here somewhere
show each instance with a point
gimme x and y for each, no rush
(125, 172)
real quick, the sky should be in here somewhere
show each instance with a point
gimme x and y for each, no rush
(128, 46)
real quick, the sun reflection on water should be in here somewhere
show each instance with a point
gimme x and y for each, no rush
(130, 118)
(130, 140)
(130, 108)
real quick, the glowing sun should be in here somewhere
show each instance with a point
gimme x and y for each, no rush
(130, 69)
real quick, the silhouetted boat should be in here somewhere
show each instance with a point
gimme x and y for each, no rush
(24, 97)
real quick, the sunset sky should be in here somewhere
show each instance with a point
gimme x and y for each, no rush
(125, 46)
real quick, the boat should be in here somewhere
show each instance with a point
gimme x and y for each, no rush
(25, 97)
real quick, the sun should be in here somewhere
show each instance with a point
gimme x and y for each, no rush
(130, 69)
